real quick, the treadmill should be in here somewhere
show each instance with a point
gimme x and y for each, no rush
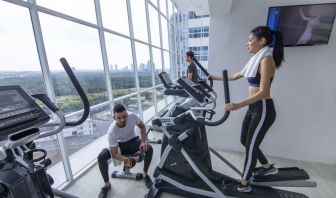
(185, 165)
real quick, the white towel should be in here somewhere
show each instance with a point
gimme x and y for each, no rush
(251, 67)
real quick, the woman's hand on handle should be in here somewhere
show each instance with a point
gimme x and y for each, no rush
(214, 77)
(232, 106)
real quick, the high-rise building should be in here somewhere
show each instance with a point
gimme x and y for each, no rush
(198, 36)
(195, 37)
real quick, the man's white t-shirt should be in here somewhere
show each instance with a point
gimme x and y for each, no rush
(116, 134)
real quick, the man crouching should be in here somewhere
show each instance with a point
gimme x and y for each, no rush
(121, 134)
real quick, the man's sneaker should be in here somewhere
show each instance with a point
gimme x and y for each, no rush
(148, 181)
(103, 192)
(261, 171)
(244, 188)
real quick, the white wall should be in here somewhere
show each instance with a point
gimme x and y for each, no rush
(304, 89)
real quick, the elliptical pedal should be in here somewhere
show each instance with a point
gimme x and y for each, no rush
(284, 174)
(230, 189)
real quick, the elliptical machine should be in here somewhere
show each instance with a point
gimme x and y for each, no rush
(22, 166)
(185, 165)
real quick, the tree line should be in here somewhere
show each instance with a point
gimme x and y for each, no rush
(93, 83)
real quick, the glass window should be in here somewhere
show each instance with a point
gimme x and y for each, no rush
(131, 104)
(114, 14)
(139, 20)
(154, 25)
(82, 9)
(144, 66)
(120, 61)
(199, 32)
(83, 53)
(164, 33)
(183, 65)
(175, 9)
(19, 61)
(201, 52)
(83, 139)
(160, 98)
(154, 2)
(170, 99)
(163, 7)
(174, 66)
(170, 10)
(171, 37)
(177, 40)
(147, 104)
(167, 62)
(174, 18)
(157, 60)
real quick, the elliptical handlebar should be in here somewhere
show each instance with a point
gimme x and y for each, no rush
(80, 91)
(227, 100)
(62, 121)
(204, 71)
(60, 126)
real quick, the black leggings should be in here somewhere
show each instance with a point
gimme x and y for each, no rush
(126, 148)
(258, 119)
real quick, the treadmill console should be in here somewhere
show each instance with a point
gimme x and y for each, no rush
(18, 111)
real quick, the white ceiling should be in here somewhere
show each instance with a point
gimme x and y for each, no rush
(199, 6)
(205, 7)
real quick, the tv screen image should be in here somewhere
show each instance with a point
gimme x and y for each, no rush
(303, 25)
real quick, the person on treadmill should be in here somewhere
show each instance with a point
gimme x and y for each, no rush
(191, 69)
(121, 134)
(259, 71)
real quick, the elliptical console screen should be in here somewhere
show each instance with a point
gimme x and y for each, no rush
(18, 111)
(11, 100)
(189, 86)
(167, 79)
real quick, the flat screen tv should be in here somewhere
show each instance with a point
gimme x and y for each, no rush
(303, 25)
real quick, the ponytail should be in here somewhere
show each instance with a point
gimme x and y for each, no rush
(278, 50)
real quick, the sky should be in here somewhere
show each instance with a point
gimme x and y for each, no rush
(78, 43)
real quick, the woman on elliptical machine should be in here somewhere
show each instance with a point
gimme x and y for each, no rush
(260, 116)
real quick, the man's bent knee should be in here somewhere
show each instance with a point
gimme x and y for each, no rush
(149, 150)
(104, 155)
